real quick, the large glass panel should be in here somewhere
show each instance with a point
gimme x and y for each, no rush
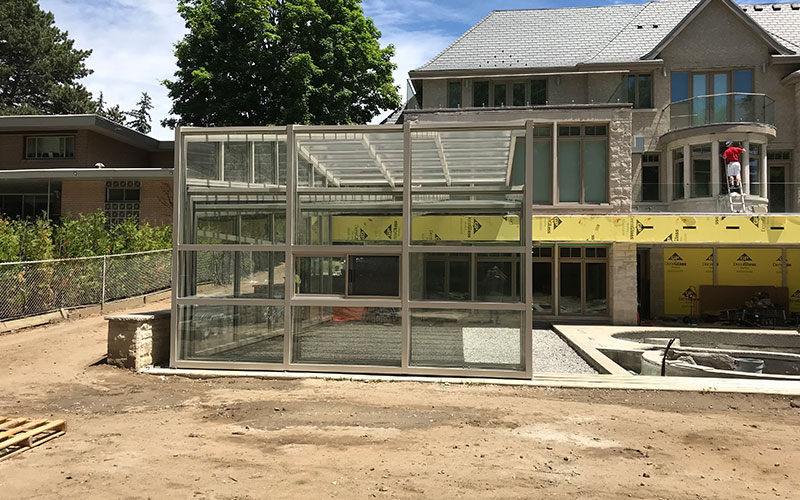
(569, 300)
(755, 169)
(569, 171)
(373, 275)
(499, 95)
(237, 219)
(497, 279)
(632, 89)
(236, 162)
(233, 274)
(677, 173)
(518, 97)
(454, 94)
(440, 276)
(595, 171)
(462, 189)
(701, 171)
(645, 92)
(266, 162)
(538, 92)
(720, 101)
(744, 105)
(480, 94)
(680, 86)
(202, 160)
(320, 275)
(357, 195)
(542, 171)
(453, 338)
(596, 288)
(542, 287)
(699, 104)
(231, 333)
(346, 335)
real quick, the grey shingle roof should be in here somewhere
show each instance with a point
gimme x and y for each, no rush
(781, 20)
(564, 37)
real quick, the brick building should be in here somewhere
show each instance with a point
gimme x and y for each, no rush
(78, 164)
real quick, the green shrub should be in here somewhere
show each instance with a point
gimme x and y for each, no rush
(9, 241)
(35, 239)
(82, 236)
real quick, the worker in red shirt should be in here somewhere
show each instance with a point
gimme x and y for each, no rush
(734, 166)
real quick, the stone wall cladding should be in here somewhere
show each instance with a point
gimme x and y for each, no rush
(623, 287)
(136, 341)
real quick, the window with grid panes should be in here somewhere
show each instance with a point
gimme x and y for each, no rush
(122, 201)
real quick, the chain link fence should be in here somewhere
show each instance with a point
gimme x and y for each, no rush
(28, 288)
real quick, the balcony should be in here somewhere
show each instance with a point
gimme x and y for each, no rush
(716, 109)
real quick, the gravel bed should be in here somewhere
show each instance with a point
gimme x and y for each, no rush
(552, 355)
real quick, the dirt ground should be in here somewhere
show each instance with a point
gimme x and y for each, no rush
(140, 436)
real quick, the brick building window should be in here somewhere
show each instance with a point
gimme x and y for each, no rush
(123, 199)
(49, 147)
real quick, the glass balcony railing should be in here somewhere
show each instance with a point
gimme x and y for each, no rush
(732, 107)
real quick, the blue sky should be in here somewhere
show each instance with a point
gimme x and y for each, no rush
(132, 40)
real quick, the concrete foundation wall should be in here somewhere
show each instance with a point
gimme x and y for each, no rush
(623, 284)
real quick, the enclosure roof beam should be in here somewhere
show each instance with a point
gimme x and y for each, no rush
(377, 158)
(442, 158)
(319, 167)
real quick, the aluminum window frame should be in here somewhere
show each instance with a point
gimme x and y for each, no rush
(293, 250)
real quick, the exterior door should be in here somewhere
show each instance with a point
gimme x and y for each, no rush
(777, 188)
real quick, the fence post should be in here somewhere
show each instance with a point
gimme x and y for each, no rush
(103, 292)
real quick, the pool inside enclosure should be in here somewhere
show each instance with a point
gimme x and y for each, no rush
(375, 249)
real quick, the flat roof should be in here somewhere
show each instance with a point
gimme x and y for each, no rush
(95, 123)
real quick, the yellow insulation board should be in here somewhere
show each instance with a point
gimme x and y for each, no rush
(685, 269)
(574, 228)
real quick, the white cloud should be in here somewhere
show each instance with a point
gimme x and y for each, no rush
(132, 43)
(132, 48)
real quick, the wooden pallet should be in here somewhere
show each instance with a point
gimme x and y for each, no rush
(21, 434)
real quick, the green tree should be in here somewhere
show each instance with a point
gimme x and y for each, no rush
(140, 116)
(39, 67)
(116, 115)
(260, 62)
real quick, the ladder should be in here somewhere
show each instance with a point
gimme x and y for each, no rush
(736, 199)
